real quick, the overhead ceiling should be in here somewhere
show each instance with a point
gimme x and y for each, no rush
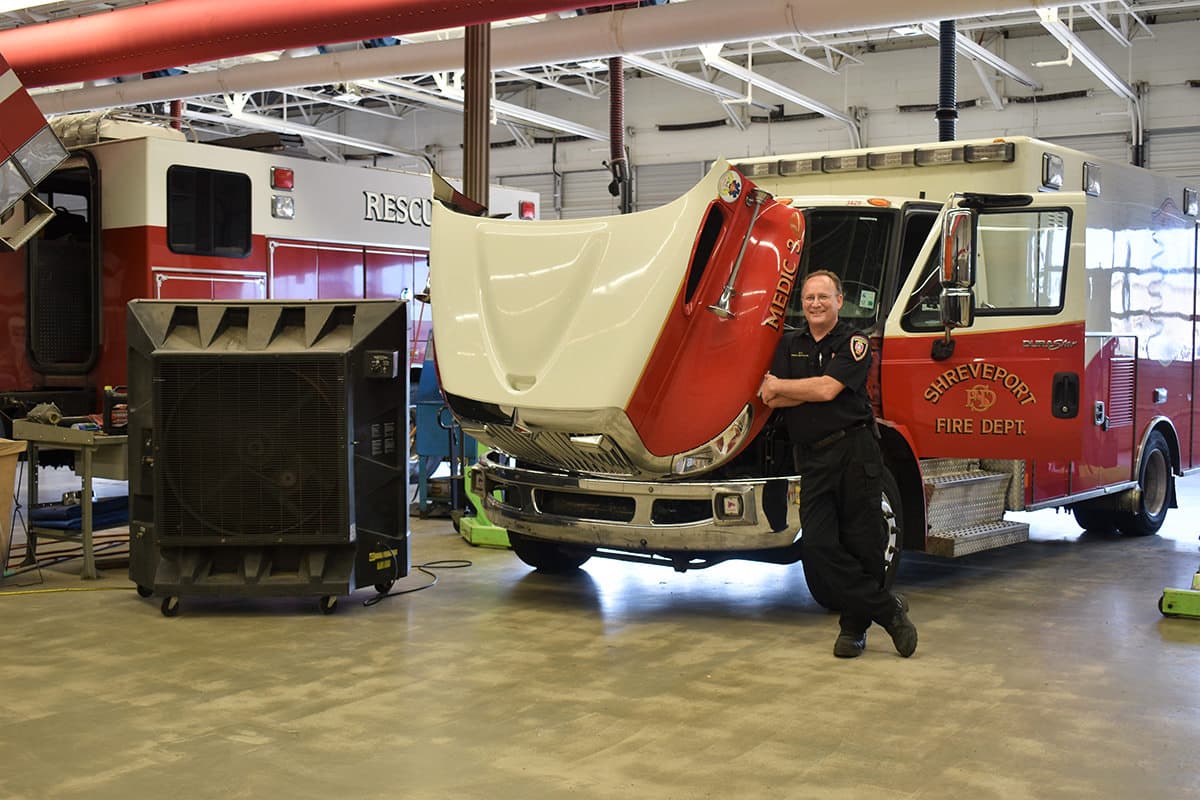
(390, 76)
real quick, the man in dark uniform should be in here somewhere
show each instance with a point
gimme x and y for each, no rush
(819, 378)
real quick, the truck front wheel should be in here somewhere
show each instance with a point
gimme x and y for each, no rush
(547, 556)
(893, 522)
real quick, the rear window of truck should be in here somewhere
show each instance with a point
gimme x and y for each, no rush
(208, 212)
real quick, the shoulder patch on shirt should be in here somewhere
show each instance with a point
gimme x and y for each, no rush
(859, 346)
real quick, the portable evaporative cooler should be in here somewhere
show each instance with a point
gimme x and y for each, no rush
(268, 448)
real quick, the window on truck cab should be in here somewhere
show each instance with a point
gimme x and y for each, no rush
(208, 212)
(1020, 268)
(854, 243)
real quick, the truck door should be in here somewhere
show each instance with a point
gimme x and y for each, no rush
(1007, 383)
(63, 293)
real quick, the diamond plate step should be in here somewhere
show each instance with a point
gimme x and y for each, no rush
(965, 499)
(946, 467)
(976, 538)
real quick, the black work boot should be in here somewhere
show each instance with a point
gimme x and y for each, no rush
(849, 644)
(901, 629)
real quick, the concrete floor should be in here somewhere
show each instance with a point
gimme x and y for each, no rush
(1044, 671)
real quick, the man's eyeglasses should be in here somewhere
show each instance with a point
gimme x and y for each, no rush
(818, 298)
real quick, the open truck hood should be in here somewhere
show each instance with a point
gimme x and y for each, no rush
(589, 344)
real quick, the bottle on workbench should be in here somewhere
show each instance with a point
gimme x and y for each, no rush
(116, 410)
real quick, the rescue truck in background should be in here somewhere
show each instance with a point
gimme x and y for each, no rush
(140, 211)
(1034, 347)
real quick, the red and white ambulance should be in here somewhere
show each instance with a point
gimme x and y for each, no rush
(1031, 310)
(142, 212)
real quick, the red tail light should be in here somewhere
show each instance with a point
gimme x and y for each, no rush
(282, 178)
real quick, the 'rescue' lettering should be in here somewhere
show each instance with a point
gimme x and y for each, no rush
(384, 207)
(779, 300)
(980, 370)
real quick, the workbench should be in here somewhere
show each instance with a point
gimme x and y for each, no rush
(100, 456)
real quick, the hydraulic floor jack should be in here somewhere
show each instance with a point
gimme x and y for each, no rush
(1182, 602)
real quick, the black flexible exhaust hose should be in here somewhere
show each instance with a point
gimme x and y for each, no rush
(619, 187)
(947, 110)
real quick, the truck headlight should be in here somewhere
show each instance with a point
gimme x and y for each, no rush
(718, 450)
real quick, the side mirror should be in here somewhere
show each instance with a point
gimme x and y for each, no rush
(956, 304)
(958, 249)
(13, 237)
(956, 307)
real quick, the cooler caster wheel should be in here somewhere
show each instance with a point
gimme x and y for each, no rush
(170, 606)
(385, 587)
(144, 591)
(328, 604)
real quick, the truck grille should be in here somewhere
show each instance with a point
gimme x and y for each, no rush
(586, 506)
(555, 449)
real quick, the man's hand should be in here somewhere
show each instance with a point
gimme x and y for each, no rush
(766, 389)
(787, 393)
(770, 391)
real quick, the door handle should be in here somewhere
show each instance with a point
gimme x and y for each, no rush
(1064, 396)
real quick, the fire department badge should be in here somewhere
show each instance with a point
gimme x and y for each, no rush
(980, 397)
(730, 186)
(859, 347)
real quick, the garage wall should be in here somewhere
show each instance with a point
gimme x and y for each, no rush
(1176, 153)
(877, 89)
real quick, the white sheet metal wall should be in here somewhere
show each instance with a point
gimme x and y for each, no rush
(1171, 153)
(1175, 153)
(1110, 146)
(659, 184)
(585, 194)
(543, 184)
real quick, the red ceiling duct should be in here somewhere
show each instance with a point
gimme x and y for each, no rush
(172, 34)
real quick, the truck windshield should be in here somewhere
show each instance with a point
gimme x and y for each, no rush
(853, 243)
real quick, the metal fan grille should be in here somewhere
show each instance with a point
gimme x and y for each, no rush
(252, 449)
(61, 332)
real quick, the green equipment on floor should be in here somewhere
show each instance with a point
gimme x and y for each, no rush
(439, 440)
(474, 526)
(1182, 602)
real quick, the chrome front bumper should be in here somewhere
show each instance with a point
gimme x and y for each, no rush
(639, 516)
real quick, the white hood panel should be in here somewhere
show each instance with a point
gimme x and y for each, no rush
(557, 314)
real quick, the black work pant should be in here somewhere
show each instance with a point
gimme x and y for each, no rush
(843, 529)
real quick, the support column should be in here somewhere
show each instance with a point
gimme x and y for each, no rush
(477, 96)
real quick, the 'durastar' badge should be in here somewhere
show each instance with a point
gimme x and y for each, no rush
(859, 346)
(730, 187)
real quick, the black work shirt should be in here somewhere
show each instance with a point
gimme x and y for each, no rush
(844, 354)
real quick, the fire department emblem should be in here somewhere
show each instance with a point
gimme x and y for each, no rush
(980, 397)
(730, 186)
(859, 347)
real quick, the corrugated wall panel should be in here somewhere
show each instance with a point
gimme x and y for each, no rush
(659, 184)
(1175, 154)
(1109, 146)
(585, 194)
